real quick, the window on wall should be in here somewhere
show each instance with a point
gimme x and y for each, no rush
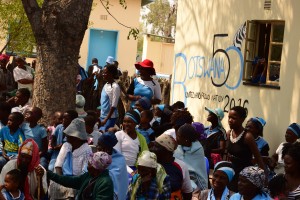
(263, 50)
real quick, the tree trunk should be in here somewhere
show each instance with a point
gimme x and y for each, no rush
(59, 28)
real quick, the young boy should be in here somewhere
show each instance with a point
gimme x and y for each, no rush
(11, 188)
(58, 138)
(145, 128)
(32, 116)
(11, 137)
(56, 120)
(93, 135)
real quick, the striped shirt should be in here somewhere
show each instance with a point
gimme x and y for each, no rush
(295, 194)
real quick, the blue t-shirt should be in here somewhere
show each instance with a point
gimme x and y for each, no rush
(12, 141)
(58, 133)
(145, 133)
(39, 133)
(7, 195)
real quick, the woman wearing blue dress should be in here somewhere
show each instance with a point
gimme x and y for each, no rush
(145, 85)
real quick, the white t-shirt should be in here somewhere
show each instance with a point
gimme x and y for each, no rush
(23, 74)
(128, 147)
(186, 183)
(279, 152)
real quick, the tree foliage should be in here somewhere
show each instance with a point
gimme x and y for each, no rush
(161, 17)
(15, 27)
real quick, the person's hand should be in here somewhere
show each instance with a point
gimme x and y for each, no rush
(1, 187)
(104, 122)
(137, 97)
(39, 171)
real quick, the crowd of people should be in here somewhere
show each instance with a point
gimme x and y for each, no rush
(158, 151)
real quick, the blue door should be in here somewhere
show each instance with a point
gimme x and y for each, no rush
(102, 43)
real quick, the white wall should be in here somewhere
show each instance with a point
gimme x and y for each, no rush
(197, 22)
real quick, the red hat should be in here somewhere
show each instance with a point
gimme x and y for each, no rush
(146, 64)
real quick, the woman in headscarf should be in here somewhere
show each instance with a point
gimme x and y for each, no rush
(72, 158)
(191, 152)
(145, 85)
(222, 175)
(255, 126)
(251, 185)
(164, 147)
(95, 184)
(130, 142)
(151, 181)
(292, 134)
(33, 181)
(117, 169)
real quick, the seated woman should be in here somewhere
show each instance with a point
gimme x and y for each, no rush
(23, 74)
(72, 158)
(292, 134)
(191, 152)
(130, 142)
(151, 181)
(214, 145)
(255, 126)
(222, 175)
(94, 184)
(291, 156)
(251, 185)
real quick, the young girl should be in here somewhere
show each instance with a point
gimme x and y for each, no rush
(110, 96)
(278, 187)
(10, 190)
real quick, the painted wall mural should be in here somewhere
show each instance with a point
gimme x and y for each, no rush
(215, 70)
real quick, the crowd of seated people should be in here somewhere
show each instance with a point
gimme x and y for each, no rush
(158, 152)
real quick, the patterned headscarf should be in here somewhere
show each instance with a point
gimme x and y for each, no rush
(255, 175)
(100, 160)
(147, 159)
(27, 148)
(167, 142)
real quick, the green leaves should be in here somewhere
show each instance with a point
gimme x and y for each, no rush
(16, 29)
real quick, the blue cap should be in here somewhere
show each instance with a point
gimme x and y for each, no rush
(295, 128)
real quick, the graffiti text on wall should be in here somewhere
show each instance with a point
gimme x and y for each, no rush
(230, 102)
(215, 68)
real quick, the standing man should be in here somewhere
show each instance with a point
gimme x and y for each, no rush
(6, 77)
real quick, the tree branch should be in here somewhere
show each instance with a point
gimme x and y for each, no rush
(30, 6)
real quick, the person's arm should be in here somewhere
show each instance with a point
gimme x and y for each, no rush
(45, 146)
(111, 111)
(130, 92)
(25, 81)
(4, 151)
(68, 181)
(249, 140)
(221, 148)
(104, 190)
(1, 195)
(157, 93)
(40, 172)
